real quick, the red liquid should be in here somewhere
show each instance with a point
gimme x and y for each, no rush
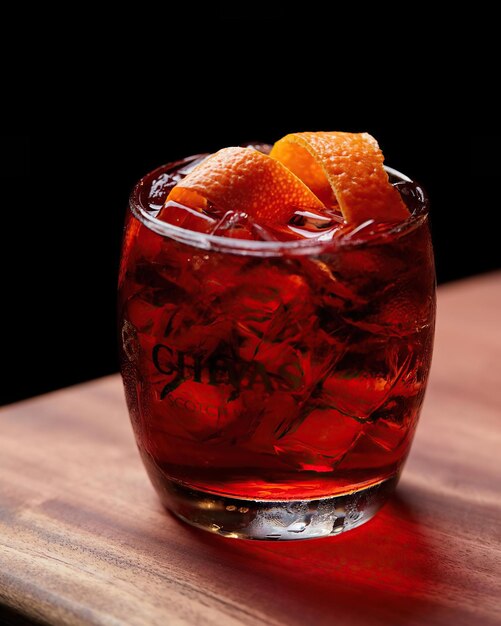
(281, 377)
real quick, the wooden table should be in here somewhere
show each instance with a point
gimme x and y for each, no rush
(83, 539)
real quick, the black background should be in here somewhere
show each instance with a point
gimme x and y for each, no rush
(67, 170)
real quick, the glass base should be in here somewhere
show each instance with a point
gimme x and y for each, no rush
(282, 520)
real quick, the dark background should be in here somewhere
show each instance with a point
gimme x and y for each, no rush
(67, 171)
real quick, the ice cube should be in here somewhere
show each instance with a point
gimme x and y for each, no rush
(354, 231)
(185, 217)
(142, 313)
(196, 329)
(307, 224)
(201, 410)
(320, 235)
(391, 433)
(238, 225)
(160, 189)
(397, 311)
(269, 303)
(365, 376)
(233, 224)
(320, 441)
(334, 293)
(308, 220)
(363, 453)
(354, 393)
(255, 307)
(190, 411)
(159, 282)
(279, 409)
(263, 233)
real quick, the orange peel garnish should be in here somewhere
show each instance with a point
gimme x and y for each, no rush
(245, 180)
(345, 169)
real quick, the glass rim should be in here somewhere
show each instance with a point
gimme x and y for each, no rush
(206, 241)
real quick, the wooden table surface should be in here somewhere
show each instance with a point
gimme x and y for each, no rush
(84, 540)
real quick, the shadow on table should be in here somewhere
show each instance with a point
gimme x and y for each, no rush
(10, 617)
(383, 570)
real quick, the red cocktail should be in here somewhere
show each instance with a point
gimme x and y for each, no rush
(274, 373)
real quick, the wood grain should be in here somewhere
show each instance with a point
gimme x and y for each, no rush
(83, 539)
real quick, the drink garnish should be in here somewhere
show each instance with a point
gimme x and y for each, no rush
(344, 169)
(244, 180)
(312, 171)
